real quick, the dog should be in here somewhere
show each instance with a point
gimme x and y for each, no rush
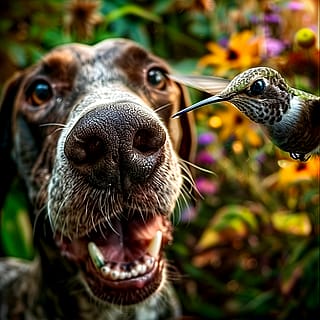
(89, 131)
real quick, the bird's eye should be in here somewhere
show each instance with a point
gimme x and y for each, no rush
(39, 92)
(157, 78)
(257, 87)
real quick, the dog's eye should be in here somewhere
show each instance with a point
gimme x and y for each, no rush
(157, 78)
(257, 87)
(39, 93)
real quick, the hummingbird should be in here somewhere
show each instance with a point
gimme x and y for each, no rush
(290, 117)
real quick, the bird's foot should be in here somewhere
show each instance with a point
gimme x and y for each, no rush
(300, 156)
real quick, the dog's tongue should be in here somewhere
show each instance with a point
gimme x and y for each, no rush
(125, 242)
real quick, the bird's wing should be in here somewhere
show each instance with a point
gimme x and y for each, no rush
(212, 85)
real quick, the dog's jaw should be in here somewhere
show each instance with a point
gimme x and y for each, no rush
(117, 268)
(117, 243)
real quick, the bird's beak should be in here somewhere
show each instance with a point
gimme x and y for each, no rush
(213, 99)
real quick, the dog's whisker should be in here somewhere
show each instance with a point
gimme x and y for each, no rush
(183, 202)
(41, 212)
(188, 177)
(172, 272)
(167, 105)
(63, 125)
(56, 130)
(54, 220)
(109, 222)
(86, 205)
(204, 170)
(192, 188)
(64, 225)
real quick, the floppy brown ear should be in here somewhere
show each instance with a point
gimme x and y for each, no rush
(187, 145)
(7, 166)
(188, 142)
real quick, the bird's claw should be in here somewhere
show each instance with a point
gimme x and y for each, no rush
(300, 156)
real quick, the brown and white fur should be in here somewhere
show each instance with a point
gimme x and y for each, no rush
(89, 131)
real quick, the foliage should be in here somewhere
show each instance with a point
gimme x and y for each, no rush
(251, 247)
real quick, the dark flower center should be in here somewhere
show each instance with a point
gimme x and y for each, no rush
(232, 54)
(238, 120)
(301, 166)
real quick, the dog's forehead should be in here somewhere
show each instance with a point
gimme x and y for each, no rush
(121, 50)
(109, 59)
(113, 53)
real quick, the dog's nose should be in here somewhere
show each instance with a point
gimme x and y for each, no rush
(116, 144)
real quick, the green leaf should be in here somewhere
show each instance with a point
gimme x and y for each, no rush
(292, 223)
(18, 54)
(236, 219)
(131, 10)
(16, 229)
(259, 304)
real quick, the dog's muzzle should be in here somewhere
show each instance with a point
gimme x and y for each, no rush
(115, 237)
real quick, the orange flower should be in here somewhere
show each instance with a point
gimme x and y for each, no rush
(294, 171)
(243, 52)
(232, 123)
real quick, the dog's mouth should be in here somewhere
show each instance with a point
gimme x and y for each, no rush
(121, 261)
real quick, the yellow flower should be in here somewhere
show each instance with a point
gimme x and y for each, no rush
(305, 38)
(242, 52)
(232, 123)
(294, 171)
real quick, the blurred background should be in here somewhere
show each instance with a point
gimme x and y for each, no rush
(250, 248)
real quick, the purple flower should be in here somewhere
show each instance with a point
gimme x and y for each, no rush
(272, 18)
(261, 157)
(224, 42)
(205, 158)
(274, 47)
(254, 19)
(189, 214)
(206, 138)
(295, 5)
(206, 186)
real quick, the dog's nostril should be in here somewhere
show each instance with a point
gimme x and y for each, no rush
(148, 141)
(85, 151)
(109, 146)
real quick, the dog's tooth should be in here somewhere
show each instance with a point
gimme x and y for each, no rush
(115, 274)
(155, 244)
(95, 255)
(134, 272)
(149, 262)
(141, 268)
(105, 270)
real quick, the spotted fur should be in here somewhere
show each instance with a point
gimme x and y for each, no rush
(103, 88)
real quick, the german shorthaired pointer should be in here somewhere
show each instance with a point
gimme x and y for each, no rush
(89, 131)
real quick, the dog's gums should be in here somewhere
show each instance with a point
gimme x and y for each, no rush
(126, 270)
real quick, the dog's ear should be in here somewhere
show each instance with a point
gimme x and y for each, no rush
(187, 146)
(188, 143)
(7, 167)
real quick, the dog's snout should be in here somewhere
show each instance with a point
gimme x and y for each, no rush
(117, 145)
(84, 150)
(148, 141)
